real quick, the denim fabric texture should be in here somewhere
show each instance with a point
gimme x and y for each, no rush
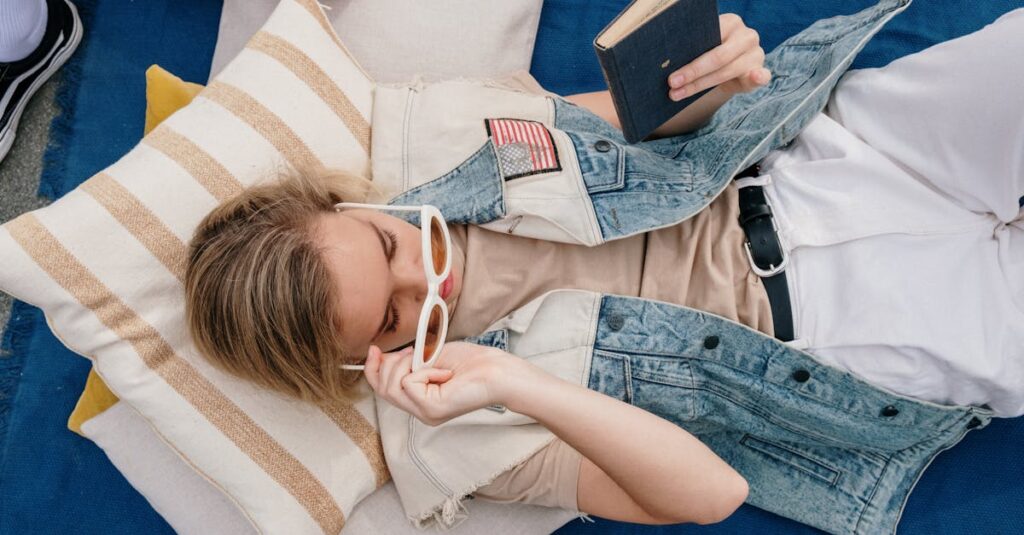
(654, 184)
(815, 443)
(461, 195)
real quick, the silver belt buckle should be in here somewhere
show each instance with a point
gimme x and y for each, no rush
(773, 270)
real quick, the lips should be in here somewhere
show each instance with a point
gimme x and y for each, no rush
(446, 287)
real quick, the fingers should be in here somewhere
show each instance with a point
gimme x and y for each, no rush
(739, 53)
(413, 392)
(419, 385)
(731, 48)
(736, 71)
(396, 366)
(423, 389)
(756, 78)
(729, 22)
(381, 368)
(425, 376)
(372, 367)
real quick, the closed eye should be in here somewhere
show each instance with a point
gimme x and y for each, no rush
(394, 318)
(393, 242)
(388, 244)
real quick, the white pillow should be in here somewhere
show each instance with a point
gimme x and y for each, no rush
(394, 40)
(105, 264)
(194, 506)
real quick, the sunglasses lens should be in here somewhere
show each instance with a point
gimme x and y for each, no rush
(438, 245)
(430, 341)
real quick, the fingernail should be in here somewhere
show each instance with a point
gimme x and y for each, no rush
(676, 80)
(766, 76)
(678, 94)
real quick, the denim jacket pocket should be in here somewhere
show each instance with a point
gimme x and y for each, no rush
(672, 378)
(600, 161)
(790, 455)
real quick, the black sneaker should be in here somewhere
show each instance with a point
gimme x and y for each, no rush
(21, 79)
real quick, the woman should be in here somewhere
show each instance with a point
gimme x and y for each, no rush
(282, 289)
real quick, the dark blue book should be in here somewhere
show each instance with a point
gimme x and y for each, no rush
(644, 44)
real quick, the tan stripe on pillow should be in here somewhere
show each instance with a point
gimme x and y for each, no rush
(364, 435)
(318, 13)
(159, 356)
(142, 224)
(264, 121)
(139, 220)
(317, 80)
(206, 170)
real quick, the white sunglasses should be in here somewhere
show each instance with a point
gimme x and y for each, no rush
(437, 246)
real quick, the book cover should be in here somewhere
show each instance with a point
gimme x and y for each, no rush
(645, 43)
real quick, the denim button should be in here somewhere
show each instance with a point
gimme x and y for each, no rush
(889, 411)
(711, 342)
(801, 376)
(975, 422)
(602, 146)
(615, 322)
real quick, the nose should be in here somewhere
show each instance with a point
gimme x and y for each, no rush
(410, 281)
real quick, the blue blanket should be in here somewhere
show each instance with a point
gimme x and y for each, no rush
(53, 481)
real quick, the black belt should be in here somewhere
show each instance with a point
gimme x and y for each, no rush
(765, 253)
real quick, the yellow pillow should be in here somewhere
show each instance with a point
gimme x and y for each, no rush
(165, 94)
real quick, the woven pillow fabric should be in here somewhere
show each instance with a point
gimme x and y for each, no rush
(186, 500)
(106, 262)
(396, 40)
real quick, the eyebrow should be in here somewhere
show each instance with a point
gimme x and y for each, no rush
(384, 251)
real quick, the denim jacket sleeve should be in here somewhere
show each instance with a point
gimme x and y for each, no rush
(565, 175)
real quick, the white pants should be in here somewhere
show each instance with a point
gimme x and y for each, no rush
(900, 209)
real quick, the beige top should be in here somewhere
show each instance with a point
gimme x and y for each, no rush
(699, 263)
(547, 478)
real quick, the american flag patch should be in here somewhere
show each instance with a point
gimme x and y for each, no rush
(524, 147)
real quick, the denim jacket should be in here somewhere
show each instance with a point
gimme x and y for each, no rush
(815, 443)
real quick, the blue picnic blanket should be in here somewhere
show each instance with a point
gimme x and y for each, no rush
(54, 481)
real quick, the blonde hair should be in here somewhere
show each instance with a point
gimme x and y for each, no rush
(258, 295)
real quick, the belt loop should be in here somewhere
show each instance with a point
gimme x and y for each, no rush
(760, 180)
(799, 344)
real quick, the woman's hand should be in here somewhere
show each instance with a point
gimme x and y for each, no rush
(735, 66)
(462, 380)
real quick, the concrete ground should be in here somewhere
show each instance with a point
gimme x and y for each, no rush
(20, 170)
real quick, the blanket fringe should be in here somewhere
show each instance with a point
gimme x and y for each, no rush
(585, 518)
(54, 175)
(453, 512)
(16, 336)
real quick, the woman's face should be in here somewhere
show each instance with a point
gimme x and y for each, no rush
(376, 263)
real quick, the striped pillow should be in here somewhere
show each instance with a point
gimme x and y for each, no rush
(106, 264)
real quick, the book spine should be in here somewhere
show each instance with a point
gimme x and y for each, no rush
(610, 67)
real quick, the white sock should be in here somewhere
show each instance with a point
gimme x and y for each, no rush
(22, 25)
